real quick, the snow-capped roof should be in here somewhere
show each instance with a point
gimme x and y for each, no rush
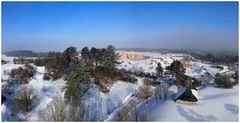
(194, 92)
(180, 92)
(183, 89)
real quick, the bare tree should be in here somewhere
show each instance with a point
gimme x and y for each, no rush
(54, 111)
(165, 89)
(134, 110)
(123, 114)
(157, 93)
(58, 110)
(76, 111)
(25, 98)
(145, 92)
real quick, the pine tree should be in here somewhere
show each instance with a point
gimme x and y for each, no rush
(111, 59)
(159, 69)
(69, 55)
(86, 56)
(94, 55)
(85, 53)
(177, 69)
(77, 75)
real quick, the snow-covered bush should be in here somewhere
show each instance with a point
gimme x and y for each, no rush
(133, 109)
(25, 98)
(22, 60)
(122, 114)
(58, 110)
(40, 62)
(144, 92)
(54, 111)
(137, 70)
(22, 75)
(104, 88)
(224, 81)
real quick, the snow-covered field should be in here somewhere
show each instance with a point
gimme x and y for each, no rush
(215, 104)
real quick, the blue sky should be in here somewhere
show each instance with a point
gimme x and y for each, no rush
(47, 26)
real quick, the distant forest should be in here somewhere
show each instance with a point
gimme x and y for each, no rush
(205, 56)
(25, 53)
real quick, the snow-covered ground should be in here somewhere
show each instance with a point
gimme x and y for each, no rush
(215, 104)
(101, 105)
(45, 90)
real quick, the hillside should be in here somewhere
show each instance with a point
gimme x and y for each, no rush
(105, 106)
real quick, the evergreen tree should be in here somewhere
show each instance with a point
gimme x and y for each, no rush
(69, 55)
(95, 56)
(177, 69)
(76, 76)
(159, 69)
(54, 65)
(103, 56)
(111, 59)
(85, 53)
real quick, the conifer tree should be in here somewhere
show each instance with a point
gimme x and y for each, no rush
(159, 69)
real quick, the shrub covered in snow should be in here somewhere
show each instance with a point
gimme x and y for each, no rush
(54, 111)
(22, 60)
(58, 110)
(22, 75)
(122, 114)
(40, 61)
(145, 91)
(25, 98)
(224, 81)
(137, 70)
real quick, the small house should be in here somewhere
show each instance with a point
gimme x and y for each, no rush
(186, 95)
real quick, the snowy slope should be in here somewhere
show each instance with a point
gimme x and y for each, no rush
(46, 91)
(215, 104)
(101, 105)
(149, 65)
(199, 68)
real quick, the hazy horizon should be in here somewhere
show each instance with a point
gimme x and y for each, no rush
(53, 26)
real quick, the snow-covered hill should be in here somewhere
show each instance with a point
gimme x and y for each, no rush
(215, 104)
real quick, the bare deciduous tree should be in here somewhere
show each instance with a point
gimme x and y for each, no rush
(123, 114)
(145, 92)
(58, 110)
(54, 111)
(25, 98)
(157, 93)
(134, 109)
(164, 87)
